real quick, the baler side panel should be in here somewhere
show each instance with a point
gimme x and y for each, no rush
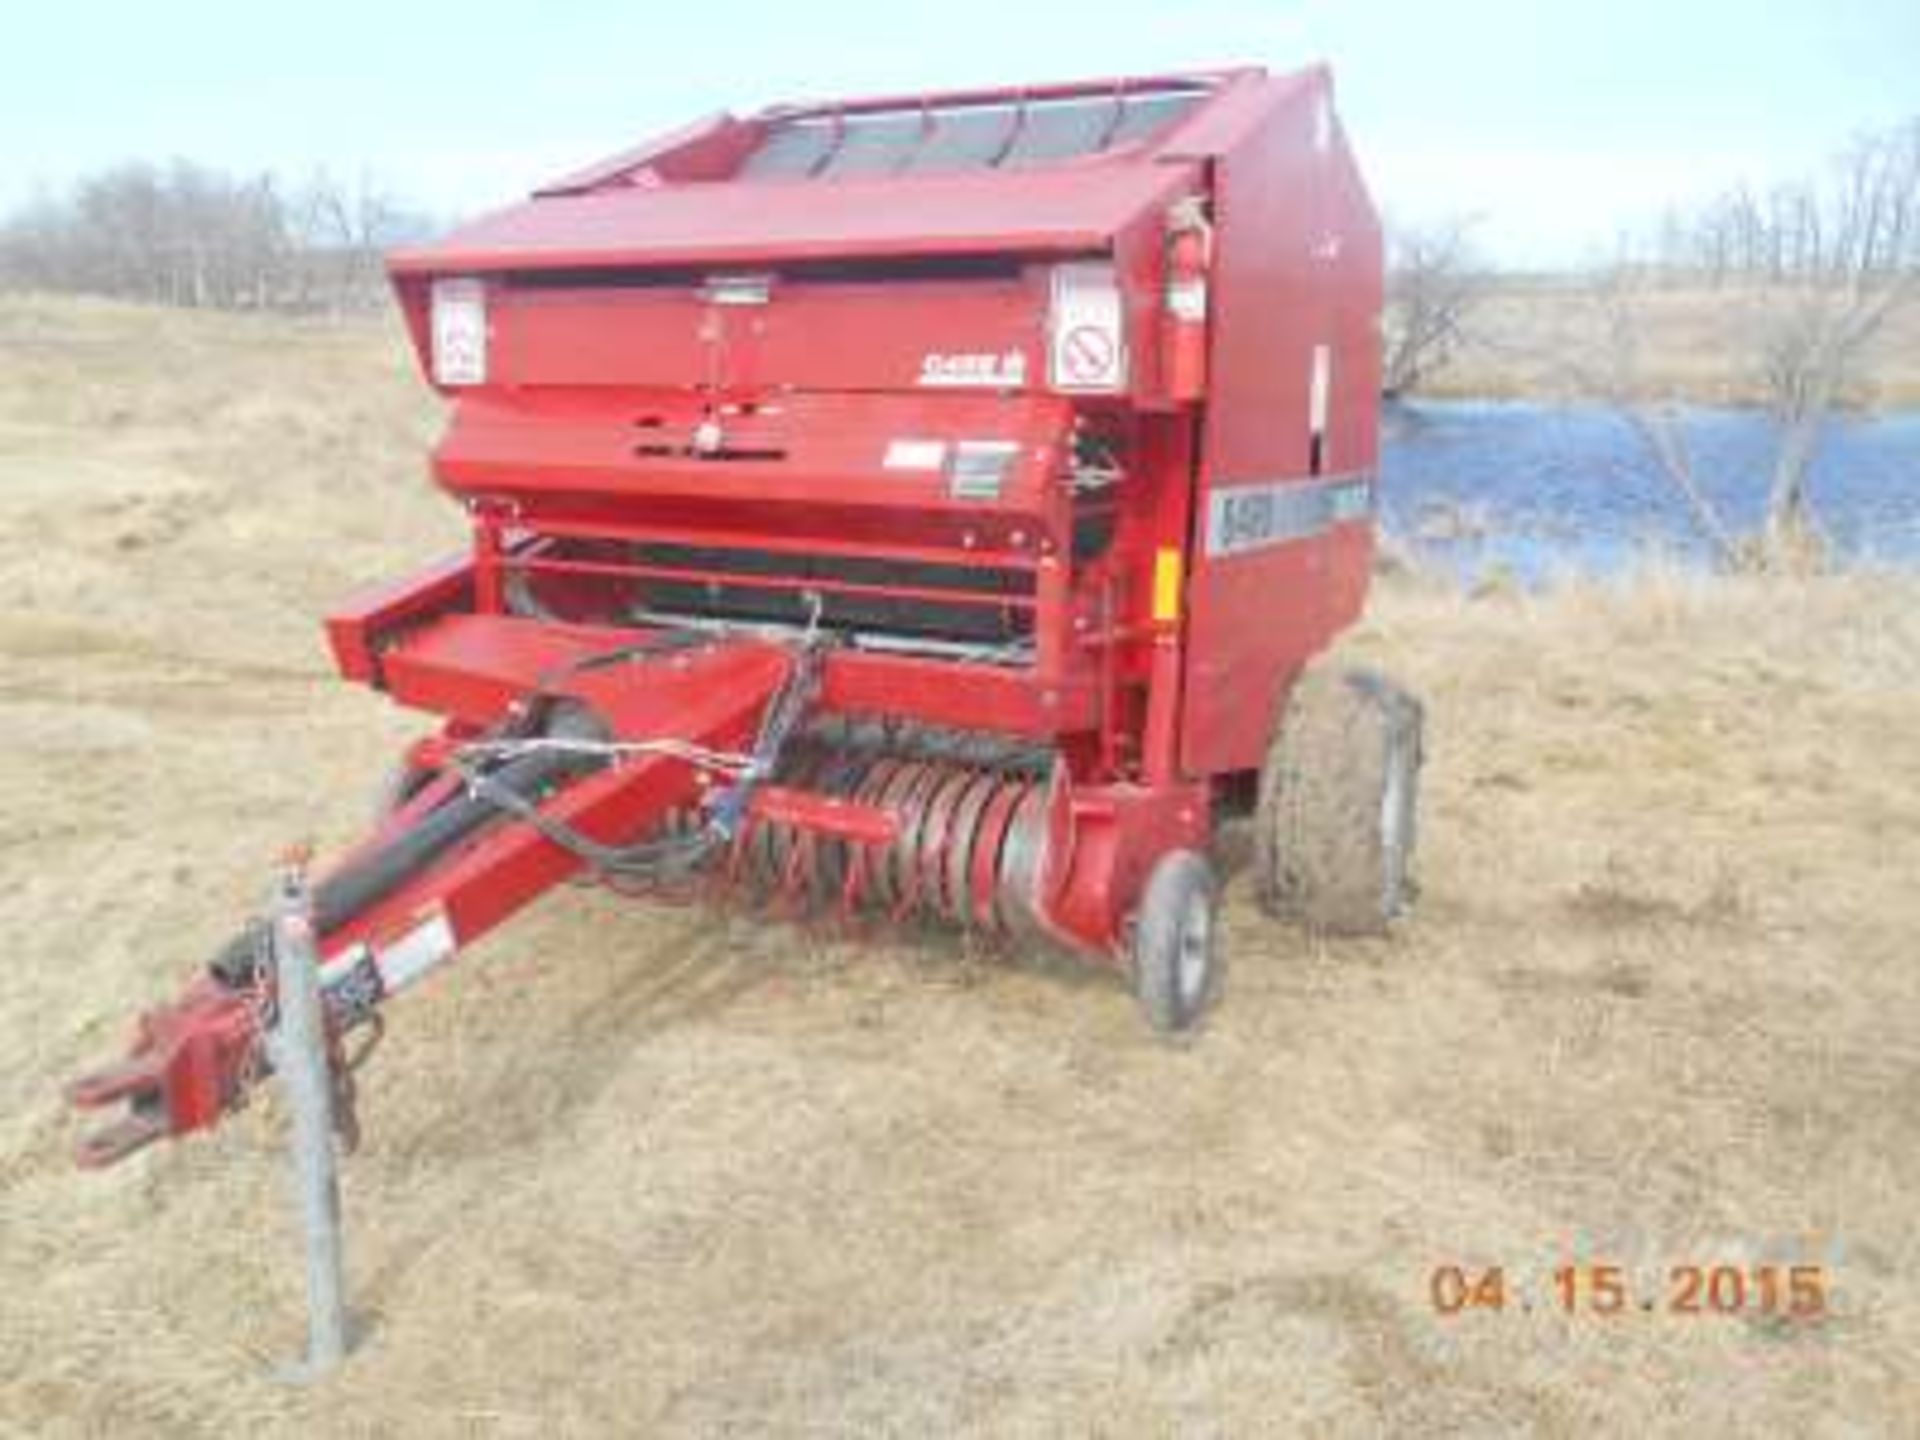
(1295, 268)
(1353, 436)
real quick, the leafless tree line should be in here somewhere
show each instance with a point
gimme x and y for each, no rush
(188, 234)
(1810, 276)
(1861, 217)
(1803, 280)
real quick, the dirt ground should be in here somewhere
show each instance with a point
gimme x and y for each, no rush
(636, 1171)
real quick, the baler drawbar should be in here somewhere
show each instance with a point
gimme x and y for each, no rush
(922, 509)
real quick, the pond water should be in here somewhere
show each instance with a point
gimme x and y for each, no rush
(1484, 487)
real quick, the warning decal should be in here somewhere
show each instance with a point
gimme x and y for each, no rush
(1087, 355)
(1089, 332)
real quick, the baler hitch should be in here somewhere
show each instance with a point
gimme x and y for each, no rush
(192, 1061)
(531, 785)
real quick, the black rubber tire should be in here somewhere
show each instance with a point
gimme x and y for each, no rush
(1335, 825)
(1176, 942)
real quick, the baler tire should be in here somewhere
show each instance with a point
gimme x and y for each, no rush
(1176, 959)
(1334, 828)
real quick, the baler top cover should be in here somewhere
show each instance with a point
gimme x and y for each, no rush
(1036, 171)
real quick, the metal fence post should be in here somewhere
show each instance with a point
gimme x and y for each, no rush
(298, 1049)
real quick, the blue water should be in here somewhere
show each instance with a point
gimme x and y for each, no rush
(1529, 490)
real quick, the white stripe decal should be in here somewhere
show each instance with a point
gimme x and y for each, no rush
(1253, 516)
(406, 959)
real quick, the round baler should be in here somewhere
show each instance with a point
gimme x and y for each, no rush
(917, 509)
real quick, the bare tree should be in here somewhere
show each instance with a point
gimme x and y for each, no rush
(346, 230)
(1433, 283)
(181, 235)
(187, 234)
(1616, 372)
(1809, 274)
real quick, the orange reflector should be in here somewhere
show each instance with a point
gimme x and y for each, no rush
(1166, 585)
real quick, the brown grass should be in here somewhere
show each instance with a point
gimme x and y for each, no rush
(1532, 339)
(632, 1171)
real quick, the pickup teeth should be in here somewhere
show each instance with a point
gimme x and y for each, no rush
(898, 835)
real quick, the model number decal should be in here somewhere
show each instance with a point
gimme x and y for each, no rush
(985, 368)
(1249, 517)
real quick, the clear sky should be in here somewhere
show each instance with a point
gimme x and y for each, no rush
(1559, 124)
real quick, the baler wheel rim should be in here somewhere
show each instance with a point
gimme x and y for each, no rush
(1176, 951)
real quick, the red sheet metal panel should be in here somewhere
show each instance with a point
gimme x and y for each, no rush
(891, 453)
(1282, 536)
(384, 608)
(708, 149)
(1061, 209)
(821, 334)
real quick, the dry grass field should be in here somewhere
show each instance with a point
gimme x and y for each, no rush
(631, 1171)
(1529, 339)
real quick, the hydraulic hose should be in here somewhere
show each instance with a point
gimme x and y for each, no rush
(370, 878)
(516, 789)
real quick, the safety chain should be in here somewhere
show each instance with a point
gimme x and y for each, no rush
(257, 994)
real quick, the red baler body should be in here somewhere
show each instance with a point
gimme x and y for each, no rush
(1053, 409)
